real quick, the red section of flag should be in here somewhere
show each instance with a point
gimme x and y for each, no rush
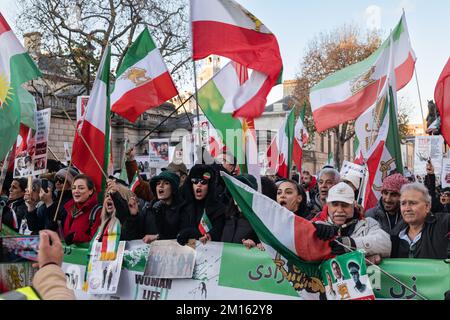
(442, 99)
(4, 26)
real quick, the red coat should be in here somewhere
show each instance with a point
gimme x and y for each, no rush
(80, 223)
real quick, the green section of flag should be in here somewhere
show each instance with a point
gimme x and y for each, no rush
(257, 271)
(393, 137)
(359, 68)
(211, 102)
(105, 78)
(23, 69)
(141, 47)
(123, 172)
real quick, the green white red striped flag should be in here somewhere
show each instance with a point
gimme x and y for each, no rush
(225, 28)
(95, 128)
(205, 224)
(142, 80)
(214, 97)
(16, 68)
(348, 93)
(379, 140)
(281, 231)
(280, 150)
(301, 137)
(135, 182)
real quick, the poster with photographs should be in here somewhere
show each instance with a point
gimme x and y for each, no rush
(168, 260)
(428, 147)
(31, 153)
(82, 102)
(143, 163)
(445, 177)
(204, 132)
(158, 152)
(41, 139)
(345, 278)
(105, 275)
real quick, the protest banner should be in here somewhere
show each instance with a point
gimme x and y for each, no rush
(428, 147)
(143, 163)
(345, 278)
(41, 140)
(349, 168)
(158, 153)
(445, 175)
(226, 271)
(82, 102)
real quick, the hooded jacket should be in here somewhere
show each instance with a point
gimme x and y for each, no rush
(191, 211)
(13, 213)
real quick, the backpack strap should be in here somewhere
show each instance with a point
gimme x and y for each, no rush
(92, 216)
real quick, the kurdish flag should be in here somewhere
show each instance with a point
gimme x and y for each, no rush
(346, 94)
(224, 28)
(288, 234)
(95, 128)
(135, 182)
(142, 81)
(205, 225)
(16, 68)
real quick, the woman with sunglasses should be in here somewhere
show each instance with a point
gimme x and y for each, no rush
(202, 215)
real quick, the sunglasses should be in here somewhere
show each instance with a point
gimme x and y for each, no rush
(59, 179)
(197, 181)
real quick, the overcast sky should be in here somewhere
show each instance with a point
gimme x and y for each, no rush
(296, 22)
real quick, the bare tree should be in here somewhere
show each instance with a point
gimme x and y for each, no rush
(328, 53)
(75, 32)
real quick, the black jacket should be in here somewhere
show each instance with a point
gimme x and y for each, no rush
(191, 211)
(20, 209)
(165, 222)
(384, 218)
(237, 227)
(41, 218)
(432, 244)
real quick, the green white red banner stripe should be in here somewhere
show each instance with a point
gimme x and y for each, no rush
(346, 94)
(290, 235)
(135, 183)
(142, 80)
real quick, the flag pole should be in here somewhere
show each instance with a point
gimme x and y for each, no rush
(420, 99)
(5, 168)
(162, 122)
(196, 104)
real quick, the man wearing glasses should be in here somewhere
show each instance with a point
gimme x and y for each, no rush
(423, 234)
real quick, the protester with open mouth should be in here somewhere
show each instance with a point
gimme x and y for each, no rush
(83, 211)
(160, 218)
(343, 224)
(292, 196)
(202, 215)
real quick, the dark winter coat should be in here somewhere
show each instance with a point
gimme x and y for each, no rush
(19, 208)
(433, 243)
(386, 221)
(237, 227)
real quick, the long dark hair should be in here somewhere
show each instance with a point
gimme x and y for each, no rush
(300, 191)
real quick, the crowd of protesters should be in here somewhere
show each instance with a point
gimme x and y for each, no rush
(410, 220)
